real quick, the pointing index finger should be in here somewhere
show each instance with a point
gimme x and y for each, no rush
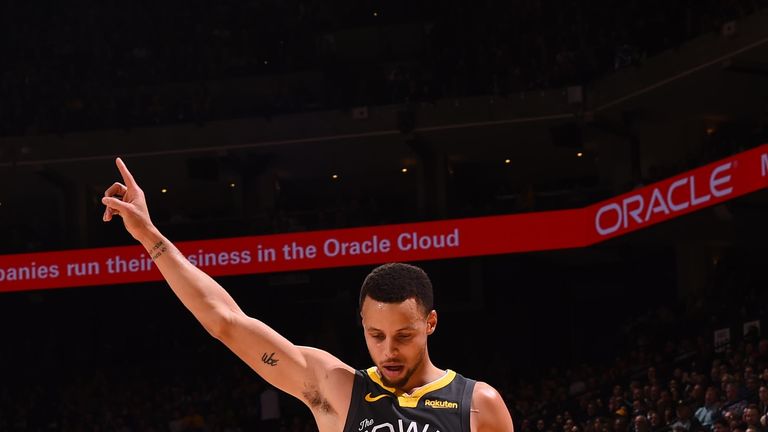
(127, 177)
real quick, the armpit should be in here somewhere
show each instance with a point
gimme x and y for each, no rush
(315, 399)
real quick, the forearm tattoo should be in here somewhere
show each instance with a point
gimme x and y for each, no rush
(157, 250)
(270, 360)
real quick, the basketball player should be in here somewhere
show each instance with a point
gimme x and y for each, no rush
(402, 392)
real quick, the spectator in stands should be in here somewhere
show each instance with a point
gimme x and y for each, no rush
(621, 421)
(697, 395)
(685, 418)
(752, 386)
(762, 353)
(655, 421)
(591, 411)
(601, 424)
(665, 403)
(711, 410)
(720, 425)
(733, 407)
(641, 424)
(568, 425)
(654, 394)
(652, 376)
(617, 405)
(752, 417)
(674, 389)
(540, 425)
(639, 408)
(762, 402)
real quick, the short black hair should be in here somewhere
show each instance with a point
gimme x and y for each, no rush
(397, 282)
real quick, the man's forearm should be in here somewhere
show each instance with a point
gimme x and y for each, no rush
(202, 295)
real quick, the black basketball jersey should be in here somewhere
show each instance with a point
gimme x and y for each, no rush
(440, 406)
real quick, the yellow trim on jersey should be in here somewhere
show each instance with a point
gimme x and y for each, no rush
(406, 400)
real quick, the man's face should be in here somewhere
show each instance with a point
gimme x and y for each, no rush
(637, 394)
(665, 396)
(655, 393)
(684, 412)
(641, 423)
(396, 335)
(698, 392)
(620, 424)
(751, 416)
(653, 418)
(752, 384)
(568, 425)
(711, 396)
(637, 407)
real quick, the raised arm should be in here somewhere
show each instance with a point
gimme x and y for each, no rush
(292, 369)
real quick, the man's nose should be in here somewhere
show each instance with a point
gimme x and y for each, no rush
(390, 348)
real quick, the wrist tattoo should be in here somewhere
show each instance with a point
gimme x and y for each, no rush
(270, 360)
(158, 249)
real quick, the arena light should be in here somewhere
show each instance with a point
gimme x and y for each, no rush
(163, 190)
(507, 161)
(404, 170)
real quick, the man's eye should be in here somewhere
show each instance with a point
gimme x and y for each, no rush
(404, 337)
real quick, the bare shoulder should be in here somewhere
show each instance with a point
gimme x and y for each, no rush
(330, 393)
(489, 412)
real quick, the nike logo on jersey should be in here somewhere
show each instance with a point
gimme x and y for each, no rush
(369, 398)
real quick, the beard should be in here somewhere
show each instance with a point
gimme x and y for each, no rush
(400, 383)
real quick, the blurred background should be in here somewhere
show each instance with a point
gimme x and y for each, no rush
(259, 117)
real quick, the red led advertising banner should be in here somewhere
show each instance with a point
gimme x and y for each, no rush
(685, 193)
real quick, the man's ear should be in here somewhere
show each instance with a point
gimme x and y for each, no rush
(431, 322)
